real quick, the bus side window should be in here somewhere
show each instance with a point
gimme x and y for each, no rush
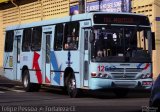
(58, 37)
(26, 39)
(36, 39)
(71, 37)
(9, 41)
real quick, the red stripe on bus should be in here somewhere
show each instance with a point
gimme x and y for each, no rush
(147, 65)
(47, 80)
(36, 66)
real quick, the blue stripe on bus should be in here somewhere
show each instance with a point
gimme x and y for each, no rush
(55, 67)
(139, 65)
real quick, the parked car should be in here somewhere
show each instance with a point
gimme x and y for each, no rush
(155, 94)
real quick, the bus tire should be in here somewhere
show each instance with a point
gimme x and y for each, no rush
(71, 85)
(28, 86)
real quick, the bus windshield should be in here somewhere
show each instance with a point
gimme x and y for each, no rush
(121, 44)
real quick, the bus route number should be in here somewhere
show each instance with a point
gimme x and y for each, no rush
(102, 68)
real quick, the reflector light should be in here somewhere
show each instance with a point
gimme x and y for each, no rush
(93, 74)
(146, 83)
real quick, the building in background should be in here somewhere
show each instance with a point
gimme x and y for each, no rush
(24, 11)
(101, 5)
(151, 8)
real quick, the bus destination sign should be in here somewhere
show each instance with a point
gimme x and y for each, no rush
(120, 19)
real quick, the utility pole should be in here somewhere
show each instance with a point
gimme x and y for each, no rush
(82, 6)
(85, 6)
(100, 4)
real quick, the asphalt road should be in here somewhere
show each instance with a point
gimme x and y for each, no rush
(14, 99)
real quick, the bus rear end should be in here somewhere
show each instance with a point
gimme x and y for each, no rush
(8, 55)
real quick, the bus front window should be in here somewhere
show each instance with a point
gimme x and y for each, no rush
(120, 44)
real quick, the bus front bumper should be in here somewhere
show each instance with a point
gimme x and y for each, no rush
(98, 83)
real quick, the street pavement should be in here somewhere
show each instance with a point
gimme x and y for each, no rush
(14, 99)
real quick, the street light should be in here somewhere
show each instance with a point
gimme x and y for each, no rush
(100, 4)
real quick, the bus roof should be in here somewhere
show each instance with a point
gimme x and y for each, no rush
(78, 17)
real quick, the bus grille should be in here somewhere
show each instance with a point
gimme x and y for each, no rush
(134, 70)
(125, 73)
(117, 70)
(122, 76)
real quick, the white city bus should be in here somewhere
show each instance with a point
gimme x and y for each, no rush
(91, 51)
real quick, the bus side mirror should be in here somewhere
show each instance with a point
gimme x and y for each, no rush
(153, 41)
(92, 37)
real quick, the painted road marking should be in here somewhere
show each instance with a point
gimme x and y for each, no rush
(1, 92)
(12, 89)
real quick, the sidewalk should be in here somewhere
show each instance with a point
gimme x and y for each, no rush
(6, 82)
(1, 71)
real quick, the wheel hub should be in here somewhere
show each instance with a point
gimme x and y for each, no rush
(25, 81)
(72, 84)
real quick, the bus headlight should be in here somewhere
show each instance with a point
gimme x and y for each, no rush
(107, 76)
(100, 75)
(148, 75)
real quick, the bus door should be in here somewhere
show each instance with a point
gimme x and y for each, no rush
(16, 54)
(85, 57)
(47, 45)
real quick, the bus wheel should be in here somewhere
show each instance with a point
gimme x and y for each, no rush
(26, 81)
(28, 86)
(121, 93)
(71, 86)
